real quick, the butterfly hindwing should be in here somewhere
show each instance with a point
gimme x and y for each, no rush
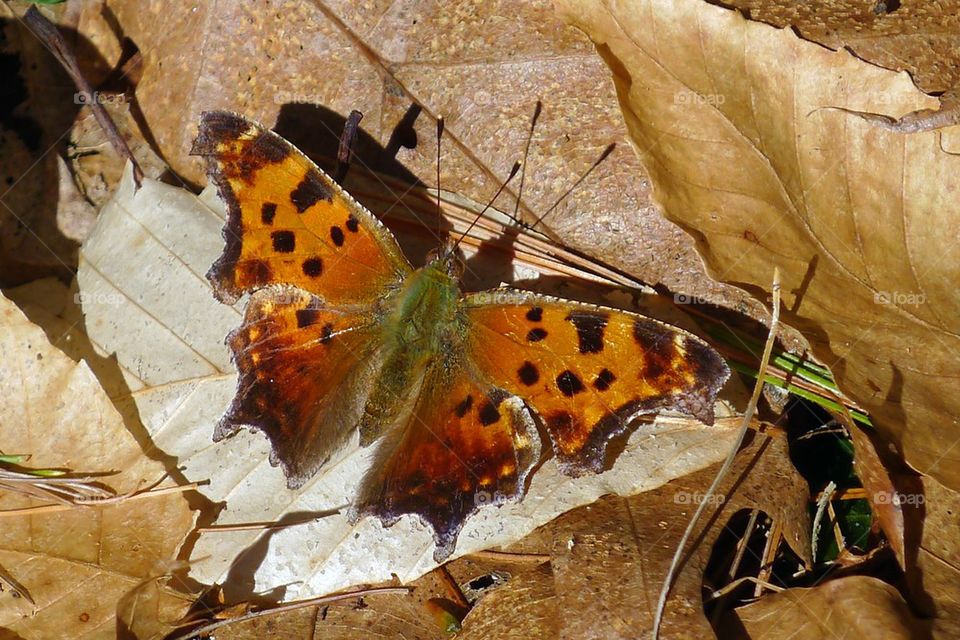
(587, 370)
(288, 222)
(304, 374)
(464, 444)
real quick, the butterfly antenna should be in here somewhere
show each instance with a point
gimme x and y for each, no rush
(603, 156)
(513, 172)
(439, 136)
(526, 154)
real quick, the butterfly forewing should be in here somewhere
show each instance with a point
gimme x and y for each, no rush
(288, 222)
(588, 370)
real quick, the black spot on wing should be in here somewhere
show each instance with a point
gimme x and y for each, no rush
(604, 379)
(536, 335)
(590, 326)
(528, 374)
(464, 406)
(535, 314)
(268, 211)
(569, 384)
(310, 191)
(283, 241)
(353, 225)
(313, 267)
(307, 317)
(488, 413)
(326, 334)
(336, 234)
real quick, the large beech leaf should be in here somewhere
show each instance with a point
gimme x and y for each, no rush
(728, 117)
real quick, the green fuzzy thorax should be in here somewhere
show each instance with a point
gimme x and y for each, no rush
(424, 318)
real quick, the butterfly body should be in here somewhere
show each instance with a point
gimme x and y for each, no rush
(422, 327)
(460, 393)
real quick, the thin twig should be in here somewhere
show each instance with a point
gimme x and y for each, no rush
(50, 36)
(97, 502)
(506, 556)
(739, 581)
(57, 488)
(822, 501)
(728, 463)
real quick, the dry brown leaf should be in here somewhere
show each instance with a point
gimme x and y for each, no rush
(725, 113)
(151, 610)
(96, 165)
(854, 607)
(388, 615)
(610, 558)
(934, 570)
(74, 564)
(302, 66)
(881, 492)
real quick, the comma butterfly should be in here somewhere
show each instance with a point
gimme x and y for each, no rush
(342, 333)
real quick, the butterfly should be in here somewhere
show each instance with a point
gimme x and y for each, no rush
(461, 392)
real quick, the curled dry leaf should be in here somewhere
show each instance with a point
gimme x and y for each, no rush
(858, 606)
(887, 512)
(727, 116)
(167, 330)
(74, 564)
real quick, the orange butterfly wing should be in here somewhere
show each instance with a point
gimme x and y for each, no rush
(316, 262)
(586, 370)
(288, 222)
(303, 370)
(466, 444)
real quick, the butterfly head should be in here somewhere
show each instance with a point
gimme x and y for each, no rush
(446, 258)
